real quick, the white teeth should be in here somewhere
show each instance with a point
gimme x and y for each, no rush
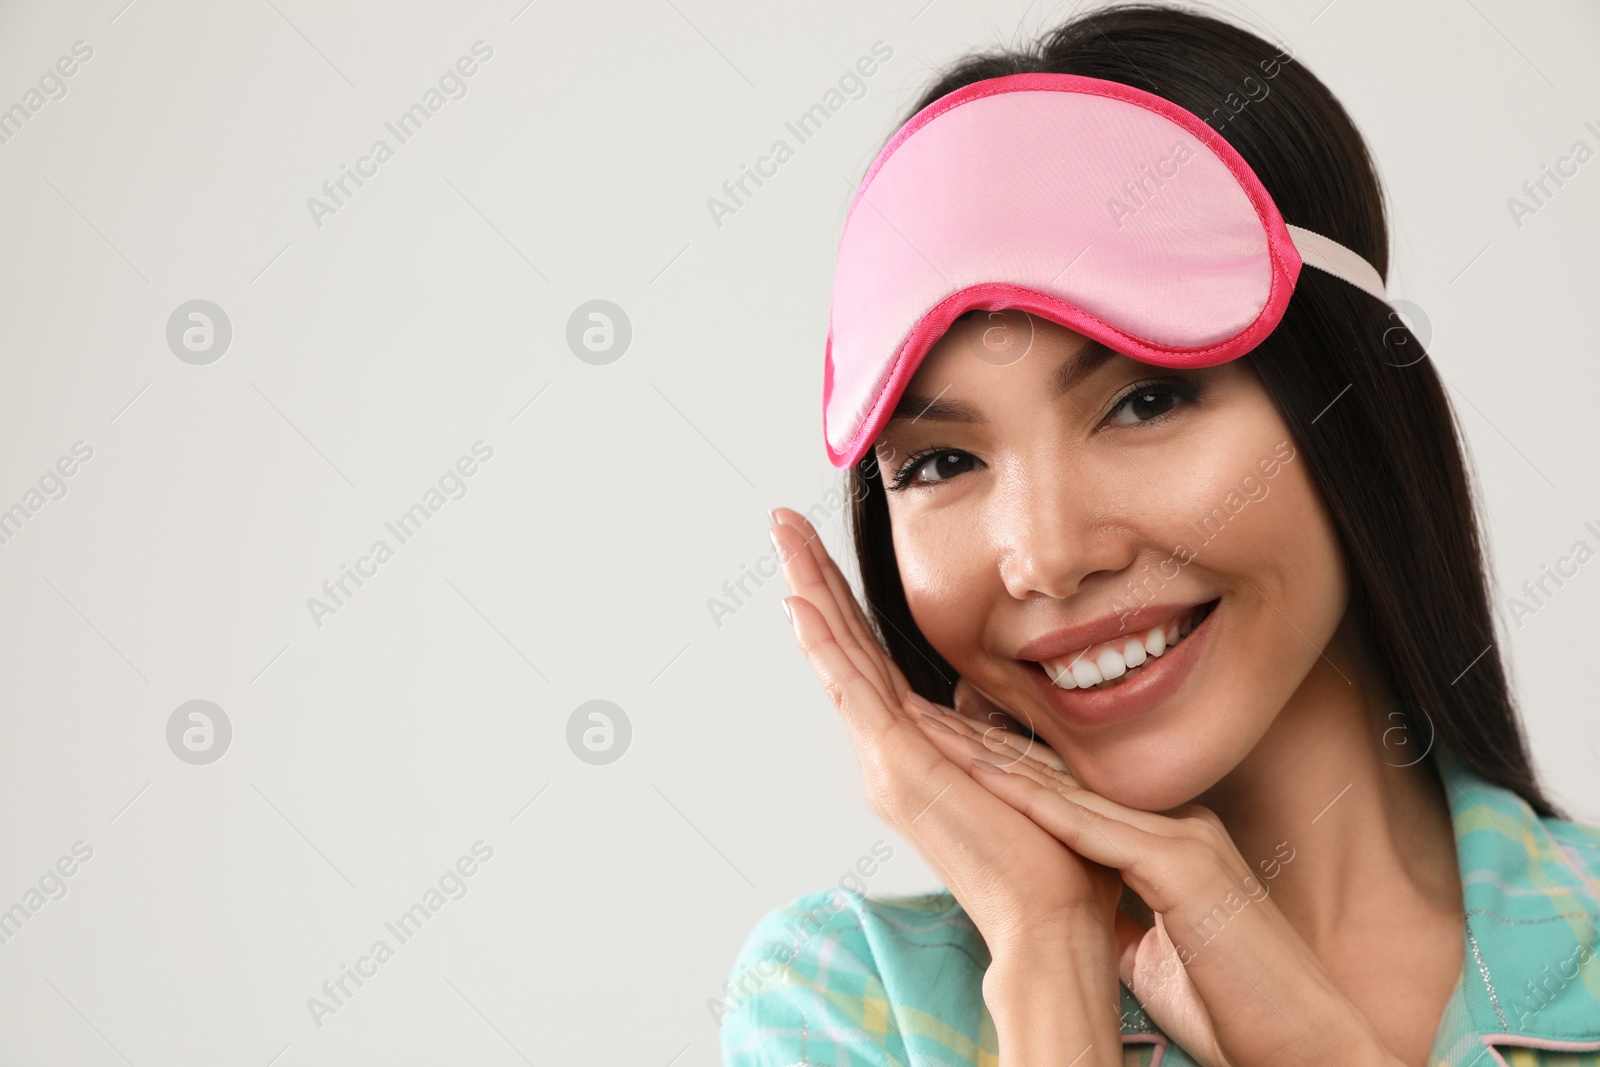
(1110, 664)
(1059, 676)
(1086, 674)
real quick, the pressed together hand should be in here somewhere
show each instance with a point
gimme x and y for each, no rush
(1039, 864)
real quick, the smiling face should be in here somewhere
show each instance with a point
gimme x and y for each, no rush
(1131, 560)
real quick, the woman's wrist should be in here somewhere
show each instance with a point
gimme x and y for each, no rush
(1058, 1007)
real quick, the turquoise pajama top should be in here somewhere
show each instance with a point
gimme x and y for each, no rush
(843, 980)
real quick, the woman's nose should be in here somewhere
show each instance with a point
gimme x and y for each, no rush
(1053, 536)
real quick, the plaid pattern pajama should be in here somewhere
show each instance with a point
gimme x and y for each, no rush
(847, 981)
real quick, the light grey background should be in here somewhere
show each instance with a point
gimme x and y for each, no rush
(430, 312)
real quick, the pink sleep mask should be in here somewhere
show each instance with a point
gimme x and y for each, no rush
(1098, 206)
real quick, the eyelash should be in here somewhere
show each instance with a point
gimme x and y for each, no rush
(1185, 392)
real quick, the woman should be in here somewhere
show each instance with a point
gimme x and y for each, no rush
(1178, 663)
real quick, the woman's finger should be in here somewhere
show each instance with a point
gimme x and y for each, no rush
(1005, 870)
(828, 571)
(850, 608)
(806, 579)
(971, 702)
(904, 774)
(858, 698)
(1087, 832)
(1150, 967)
(1259, 984)
(959, 742)
(1184, 821)
(1008, 747)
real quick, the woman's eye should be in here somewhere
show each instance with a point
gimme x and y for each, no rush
(1148, 402)
(933, 467)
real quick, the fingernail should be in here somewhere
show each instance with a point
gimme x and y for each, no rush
(787, 612)
(934, 720)
(772, 513)
(985, 765)
(772, 535)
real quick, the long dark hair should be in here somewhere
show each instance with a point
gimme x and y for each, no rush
(1386, 457)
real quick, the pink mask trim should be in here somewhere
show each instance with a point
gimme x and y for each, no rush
(1199, 272)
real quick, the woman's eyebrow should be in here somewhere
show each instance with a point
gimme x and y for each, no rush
(913, 407)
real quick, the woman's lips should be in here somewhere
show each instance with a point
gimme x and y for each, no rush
(1101, 663)
(1094, 691)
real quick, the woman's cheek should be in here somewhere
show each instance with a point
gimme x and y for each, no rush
(1210, 504)
(1190, 500)
(1279, 535)
(943, 583)
(1276, 551)
(1312, 558)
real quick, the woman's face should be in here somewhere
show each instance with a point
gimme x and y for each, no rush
(1064, 517)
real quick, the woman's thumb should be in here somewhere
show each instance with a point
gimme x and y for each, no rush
(1150, 967)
